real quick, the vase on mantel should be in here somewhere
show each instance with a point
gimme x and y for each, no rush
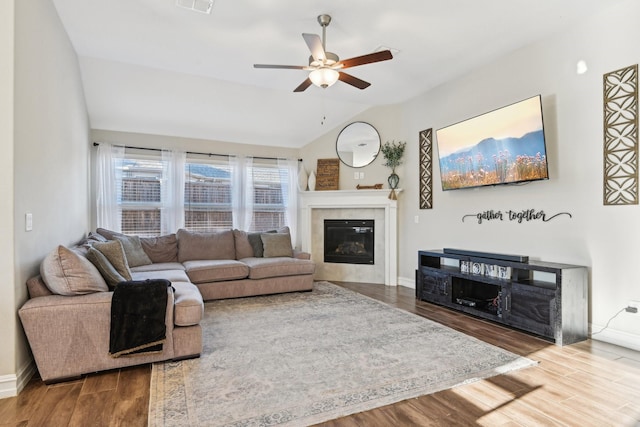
(312, 181)
(303, 178)
(393, 181)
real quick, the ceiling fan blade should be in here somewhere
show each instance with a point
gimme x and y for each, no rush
(315, 46)
(353, 81)
(287, 67)
(304, 85)
(383, 55)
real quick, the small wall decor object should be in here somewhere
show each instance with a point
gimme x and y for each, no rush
(426, 169)
(328, 174)
(620, 93)
(393, 152)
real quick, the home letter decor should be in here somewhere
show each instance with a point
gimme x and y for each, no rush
(621, 136)
(426, 181)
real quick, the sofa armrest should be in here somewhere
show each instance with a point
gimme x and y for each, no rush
(69, 335)
(301, 255)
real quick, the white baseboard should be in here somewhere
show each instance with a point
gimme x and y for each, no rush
(11, 385)
(611, 336)
(406, 282)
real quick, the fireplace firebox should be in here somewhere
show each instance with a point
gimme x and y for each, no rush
(349, 241)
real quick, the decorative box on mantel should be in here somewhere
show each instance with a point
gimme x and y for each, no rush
(354, 200)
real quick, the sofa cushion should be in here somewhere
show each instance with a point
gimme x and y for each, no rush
(65, 272)
(132, 247)
(194, 246)
(106, 269)
(204, 271)
(162, 248)
(261, 268)
(243, 246)
(188, 306)
(158, 267)
(114, 252)
(276, 245)
(170, 275)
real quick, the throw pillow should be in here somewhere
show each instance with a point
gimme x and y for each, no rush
(256, 244)
(136, 256)
(65, 272)
(277, 245)
(194, 246)
(114, 252)
(255, 240)
(243, 245)
(161, 249)
(106, 269)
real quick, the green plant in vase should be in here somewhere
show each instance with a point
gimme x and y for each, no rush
(393, 152)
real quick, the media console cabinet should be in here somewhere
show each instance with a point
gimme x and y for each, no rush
(544, 298)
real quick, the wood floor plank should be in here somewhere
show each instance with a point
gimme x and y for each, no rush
(57, 406)
(100, 381)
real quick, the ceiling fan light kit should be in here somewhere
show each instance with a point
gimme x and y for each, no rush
(324, 77)
(325, 68)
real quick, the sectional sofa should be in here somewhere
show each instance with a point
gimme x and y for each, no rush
(68, 315)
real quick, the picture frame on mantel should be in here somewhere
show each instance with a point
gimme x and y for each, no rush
(328, 174)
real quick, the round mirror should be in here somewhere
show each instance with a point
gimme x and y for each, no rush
(358, 144)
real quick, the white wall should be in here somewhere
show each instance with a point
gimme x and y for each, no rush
(8, 318)
(50, 162)
(387, 121)
(604, 238)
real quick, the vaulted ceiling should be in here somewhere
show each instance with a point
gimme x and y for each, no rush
(149, 66)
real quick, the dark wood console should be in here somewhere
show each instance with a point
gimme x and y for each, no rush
(544, 298)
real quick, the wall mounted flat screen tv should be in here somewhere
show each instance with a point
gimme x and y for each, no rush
(504, 146)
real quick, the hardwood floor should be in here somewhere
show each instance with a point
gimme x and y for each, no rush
(586, 384)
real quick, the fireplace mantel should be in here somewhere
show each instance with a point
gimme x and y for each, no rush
(356, 199)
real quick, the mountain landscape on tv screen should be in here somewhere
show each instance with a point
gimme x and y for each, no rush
(496, 161)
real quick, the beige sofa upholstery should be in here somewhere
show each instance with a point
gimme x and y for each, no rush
(69, 335)
(67, 319)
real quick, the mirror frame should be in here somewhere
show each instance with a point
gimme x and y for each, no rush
(349, 137)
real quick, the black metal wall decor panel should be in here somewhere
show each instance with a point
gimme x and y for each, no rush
(426, 169)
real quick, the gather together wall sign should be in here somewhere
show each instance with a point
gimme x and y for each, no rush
(520, 216)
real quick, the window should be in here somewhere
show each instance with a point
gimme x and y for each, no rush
(269, 207)
(207, 197)
(139, 195)
(219, 194)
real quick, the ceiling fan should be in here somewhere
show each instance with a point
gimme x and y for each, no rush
(325, 67)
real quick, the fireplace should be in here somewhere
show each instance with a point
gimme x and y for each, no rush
(349, 241)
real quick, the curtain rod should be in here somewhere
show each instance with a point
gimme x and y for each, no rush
(95, 144)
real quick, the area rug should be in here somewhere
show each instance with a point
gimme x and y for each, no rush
(302, 358)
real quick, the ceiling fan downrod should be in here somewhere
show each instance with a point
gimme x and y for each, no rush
(324, 21)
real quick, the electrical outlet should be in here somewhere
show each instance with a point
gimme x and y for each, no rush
(632, 306)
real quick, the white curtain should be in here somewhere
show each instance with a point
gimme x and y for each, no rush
(109, 176)
(242, 193)
(173, 180)
(289, 182)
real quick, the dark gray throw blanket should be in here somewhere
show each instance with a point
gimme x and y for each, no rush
(138, 311)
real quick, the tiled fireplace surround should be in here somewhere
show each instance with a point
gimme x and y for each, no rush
(316, 206)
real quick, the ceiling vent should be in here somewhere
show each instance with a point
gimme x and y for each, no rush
(202, 6)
